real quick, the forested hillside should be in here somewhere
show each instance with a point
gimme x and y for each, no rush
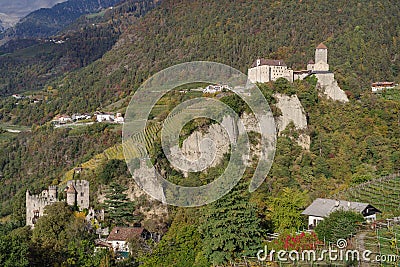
(46, 22)
(350, 142)
(362, 48)
(28, 64)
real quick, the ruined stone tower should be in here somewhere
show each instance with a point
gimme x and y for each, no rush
(35, 204)
(78, 193)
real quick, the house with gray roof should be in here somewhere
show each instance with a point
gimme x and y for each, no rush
(322, 207)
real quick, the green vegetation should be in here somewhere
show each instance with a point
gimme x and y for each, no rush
(119, 209)
(248, 30)
(391, 94)
(350, 143)
(285, 210)
(338, 225)
(29, 64)
(33, 160)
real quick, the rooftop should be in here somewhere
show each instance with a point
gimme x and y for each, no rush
(71, 189)
(322, 46)
(124, 233)
(322, 207)
(269, 62)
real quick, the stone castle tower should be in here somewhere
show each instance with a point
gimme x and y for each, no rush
(77, 194)
(321, 59)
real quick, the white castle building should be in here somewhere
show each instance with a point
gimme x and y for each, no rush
(77, 194)
(264, 71)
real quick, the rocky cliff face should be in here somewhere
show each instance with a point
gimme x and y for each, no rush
(329, 86)
(292, 111)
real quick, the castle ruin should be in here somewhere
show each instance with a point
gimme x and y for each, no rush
(77, 192)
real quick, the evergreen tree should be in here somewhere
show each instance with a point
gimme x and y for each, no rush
(119, 209)
(230, 227)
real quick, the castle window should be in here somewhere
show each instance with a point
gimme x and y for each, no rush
(81, 201)
(82, 194)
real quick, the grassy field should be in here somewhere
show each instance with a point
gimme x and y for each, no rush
(21, 128)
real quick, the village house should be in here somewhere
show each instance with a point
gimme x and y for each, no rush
(212, 89)
(120, 237)
(322, 207)
(61, 119)
(81, 117)
(105, 117)
(119, 119)
(18, 97)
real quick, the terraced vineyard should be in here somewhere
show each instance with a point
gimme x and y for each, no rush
(135, 146)
(383, 193)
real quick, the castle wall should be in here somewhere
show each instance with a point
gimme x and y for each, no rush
(259, 74)
(35, 204)
(266, 73)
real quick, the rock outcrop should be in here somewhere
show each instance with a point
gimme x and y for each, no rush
(329, 86)
(292, 111)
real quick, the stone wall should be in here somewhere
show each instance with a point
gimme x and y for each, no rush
(35, 205)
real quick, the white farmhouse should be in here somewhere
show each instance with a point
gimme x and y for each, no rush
(322, 207)
(120, 237)
(105, 117)
(380, 86)
(80, 117)
(212, 89)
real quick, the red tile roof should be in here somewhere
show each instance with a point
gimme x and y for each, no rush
(124, 233)
(71, 189)
(383, 84)
(322, 46)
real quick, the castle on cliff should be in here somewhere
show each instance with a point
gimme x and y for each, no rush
(77, 192)
(263, 71)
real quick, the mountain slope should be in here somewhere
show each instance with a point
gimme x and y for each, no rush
(48, 21)
(237, 32)
(28, 64)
